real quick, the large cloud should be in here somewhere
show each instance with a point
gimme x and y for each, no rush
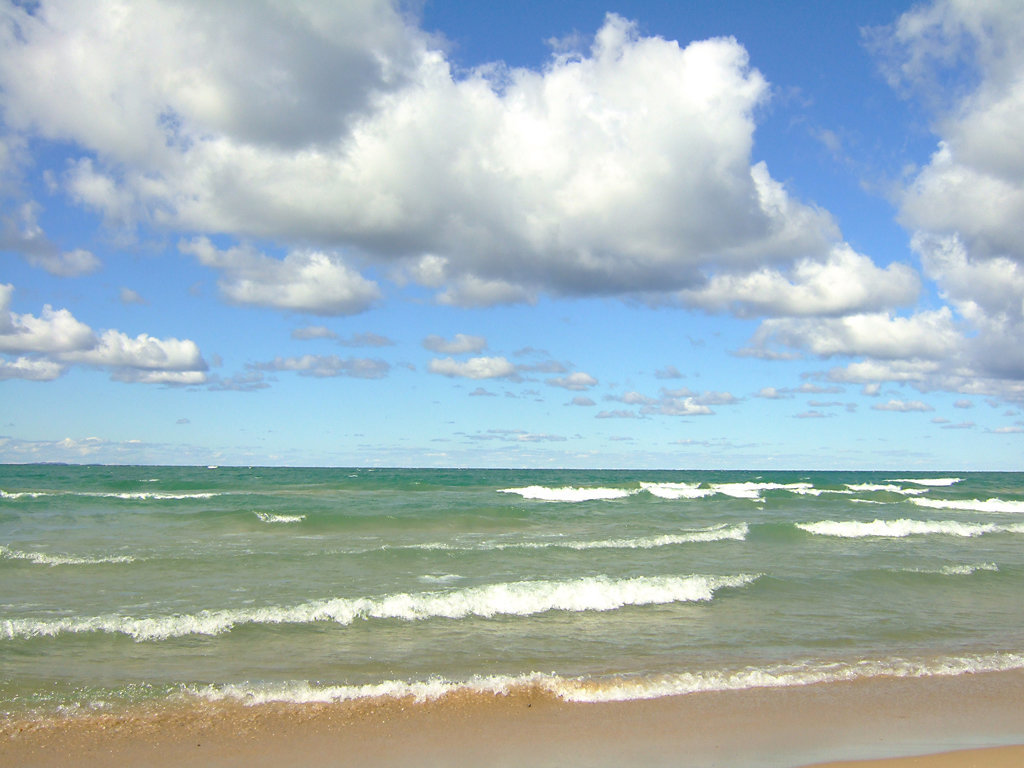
(622, 169)
(966, 206)
(260, 72)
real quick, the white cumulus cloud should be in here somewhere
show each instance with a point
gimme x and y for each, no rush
(56, 339)
(460, 344)
(305, 281)
(620, 167)
(576, 382)
(474, 368)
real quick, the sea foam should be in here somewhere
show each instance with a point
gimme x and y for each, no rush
(522, 598)
(677, 490)
(972, 505)
(699, 536)
(956, 570)
(673, 491)
(124, 495)
(543, 493)
(633, 688)
(935, 482)
(270, 517)
(853, 529)
(886, 487)
(42, 558)
(752, 490)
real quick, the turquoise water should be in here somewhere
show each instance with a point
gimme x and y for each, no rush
(121, 585)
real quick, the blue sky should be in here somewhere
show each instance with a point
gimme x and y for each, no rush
(673, 235)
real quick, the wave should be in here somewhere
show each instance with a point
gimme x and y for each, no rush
(677, 490)
(568, 493)
(700, 536)
(443, 578)
(41, 558)
(852, 529)
(956, 570)
(752, 490)
(270, 517)
(14, 495)
(522, 598)
(934, 482)
(972, 505)
(591, 690)
(126, 495)
(672, 491)
(722, 533)
(886, 487)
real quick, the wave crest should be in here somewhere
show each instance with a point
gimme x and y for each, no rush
(590, 690)
(972, 505)
(853, 529)
(521, 598)
(42, 558)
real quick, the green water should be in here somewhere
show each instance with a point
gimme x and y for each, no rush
(121, 584)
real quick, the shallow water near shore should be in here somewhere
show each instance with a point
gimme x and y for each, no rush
(123, 587)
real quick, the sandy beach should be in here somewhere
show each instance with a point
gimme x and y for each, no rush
(954, 722)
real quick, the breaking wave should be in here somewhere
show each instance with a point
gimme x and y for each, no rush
(957, 570)
(972, 505)
(124, 495)
(270, 517)
(522, 598)
(704, 535)
(886, 487)
(851, 529)
(542, 493)
(590, 690)
(935, 482)
(672, 491)
(42, 558)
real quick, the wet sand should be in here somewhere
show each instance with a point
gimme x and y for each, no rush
(765, 728)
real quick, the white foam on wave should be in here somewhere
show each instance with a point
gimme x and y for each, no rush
(42, 558)
(956, 570)
(886, 487)
(723, 533)
(125, 495)
(443, 578)
(568, 493)
(784, 676)
(934, 482)
(752, 490)
(522, 598)
(700, 536)
(672, 491)
(675, 491)
(591, 690)
(150, 495)
(270, 517)
(853, 529)
(972, 505)
(13, 495)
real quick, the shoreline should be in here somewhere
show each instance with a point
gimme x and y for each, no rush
(821, 725)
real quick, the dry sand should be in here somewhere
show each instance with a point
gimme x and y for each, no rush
(778, 728)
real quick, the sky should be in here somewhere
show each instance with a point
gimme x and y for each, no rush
(691, 235)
